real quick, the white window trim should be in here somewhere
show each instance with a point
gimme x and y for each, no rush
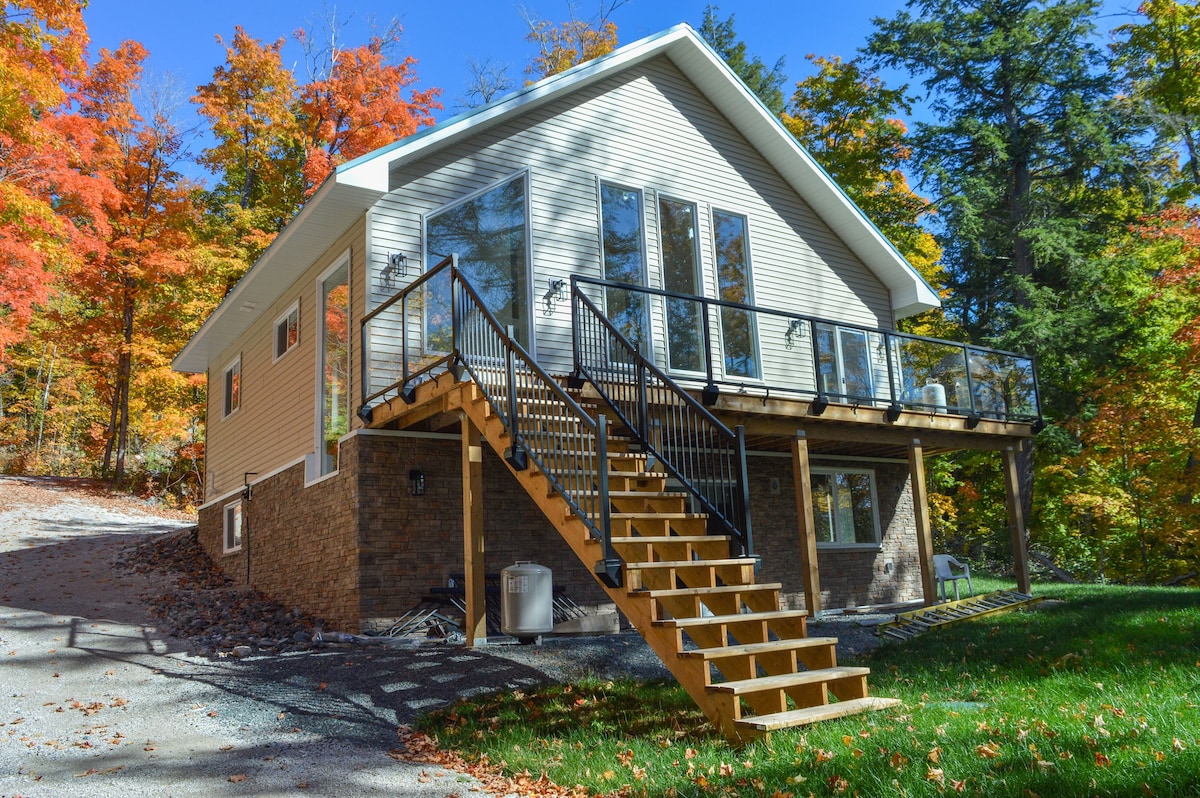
(236, 507)
(293, 308)
(226, 412)
(313, 464)
(870, 472)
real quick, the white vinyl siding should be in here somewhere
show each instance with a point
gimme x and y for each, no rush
(277, 418)
(648, 128)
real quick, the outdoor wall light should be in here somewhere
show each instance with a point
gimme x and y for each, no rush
(416, 482)
(795, 328)
(365, 413)
(555, 294)
(397, 267)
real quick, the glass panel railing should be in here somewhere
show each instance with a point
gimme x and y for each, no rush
(1003, 385)
(751, 349)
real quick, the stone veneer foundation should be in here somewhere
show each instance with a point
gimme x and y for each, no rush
(358, 549)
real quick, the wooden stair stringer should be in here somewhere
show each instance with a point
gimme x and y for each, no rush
(781, 699)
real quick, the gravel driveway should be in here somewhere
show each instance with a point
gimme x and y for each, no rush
(96, 699)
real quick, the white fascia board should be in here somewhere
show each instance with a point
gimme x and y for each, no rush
(910, 293)
(322, 220)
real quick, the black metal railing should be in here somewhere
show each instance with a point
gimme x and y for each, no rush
(745, 347)
(689, 442)
(450, 329)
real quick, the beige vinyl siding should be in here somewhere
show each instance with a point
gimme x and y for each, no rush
(276, 423)
(650, 129)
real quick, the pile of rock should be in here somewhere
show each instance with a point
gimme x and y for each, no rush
(200, 604)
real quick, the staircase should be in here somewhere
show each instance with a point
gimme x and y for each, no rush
(916, 622)
(747, 664)
(692, 594)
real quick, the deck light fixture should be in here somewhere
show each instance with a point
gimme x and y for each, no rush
(416, 482)
(364, 413)
(710, 394)
(818, 405)
(893, 412)
(973, 420)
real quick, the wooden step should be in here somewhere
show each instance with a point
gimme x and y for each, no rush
(801, 717)
(753, 649)
(692, 573)
(783, 682)
(645, 548)
(683, 592)
(743, 617)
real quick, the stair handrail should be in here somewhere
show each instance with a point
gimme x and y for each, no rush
(713, 455)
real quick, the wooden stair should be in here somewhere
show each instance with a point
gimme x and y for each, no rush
(908, 625)
(748, 664)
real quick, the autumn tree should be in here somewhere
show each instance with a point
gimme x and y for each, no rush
(129, 308)
(258, 151)
(356, 101)
(51, 200)
(766, 83)
(564, 45)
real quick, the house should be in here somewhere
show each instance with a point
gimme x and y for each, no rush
(619, 323)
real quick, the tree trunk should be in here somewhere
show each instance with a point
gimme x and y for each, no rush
(124, 374)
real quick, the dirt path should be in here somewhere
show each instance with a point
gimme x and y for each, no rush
(95, 702)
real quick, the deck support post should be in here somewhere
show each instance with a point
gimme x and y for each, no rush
(809, 572)
(1016, 519)
(920, 497)
(475, 623)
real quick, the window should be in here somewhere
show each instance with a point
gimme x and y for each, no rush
(287, 331)
(623, 253)
(333, 293)
(739, 333)
(488, 233)
(681, 274)
(844, 356)
(233, 386)
(233, 526)
(844, 505)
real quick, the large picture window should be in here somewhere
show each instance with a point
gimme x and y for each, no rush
(739, 334)
(622, 242)
(844, 507)
(489, 235)
(681, 274)
(334, 366)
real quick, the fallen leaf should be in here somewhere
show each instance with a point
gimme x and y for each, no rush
(238, 778)
(1102, 761)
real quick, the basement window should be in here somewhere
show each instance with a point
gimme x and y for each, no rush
(233, 387)
(233, 527)
(845, 509)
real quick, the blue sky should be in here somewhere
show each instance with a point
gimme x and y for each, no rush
(443, 36)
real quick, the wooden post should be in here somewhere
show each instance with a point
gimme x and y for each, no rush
(920, 497)
(809, 573)
(475, 624)
(1016, 519)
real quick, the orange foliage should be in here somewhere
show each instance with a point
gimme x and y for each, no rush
(360, 106)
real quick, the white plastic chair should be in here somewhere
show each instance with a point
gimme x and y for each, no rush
(943, 565)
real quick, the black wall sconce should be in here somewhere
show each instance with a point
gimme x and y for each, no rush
(416, 482)
(397, 267)
(555, 294)
(795, 328)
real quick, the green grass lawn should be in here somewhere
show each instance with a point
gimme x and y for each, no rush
(1097, 692)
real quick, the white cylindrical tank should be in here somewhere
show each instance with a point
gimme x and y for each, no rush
(526, 600)
(934, 393)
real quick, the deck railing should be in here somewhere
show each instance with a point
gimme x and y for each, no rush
(443, 325)
(689, 442)
(740, 348)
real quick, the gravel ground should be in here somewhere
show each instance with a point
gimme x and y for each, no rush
(131, 668)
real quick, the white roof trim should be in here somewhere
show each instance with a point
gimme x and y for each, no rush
(355, 186)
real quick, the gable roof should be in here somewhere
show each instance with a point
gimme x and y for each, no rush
(354, 187)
